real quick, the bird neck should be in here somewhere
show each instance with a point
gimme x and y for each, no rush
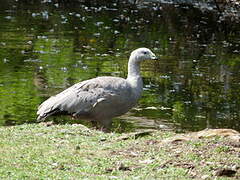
(134, 78)
(133, 68)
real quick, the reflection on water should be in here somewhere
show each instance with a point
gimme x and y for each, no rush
(46, 47)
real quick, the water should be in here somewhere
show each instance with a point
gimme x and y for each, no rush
(47, 47)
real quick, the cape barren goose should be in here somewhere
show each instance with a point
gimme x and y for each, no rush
(102, 98)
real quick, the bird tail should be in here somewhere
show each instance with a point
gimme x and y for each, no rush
(42, 116)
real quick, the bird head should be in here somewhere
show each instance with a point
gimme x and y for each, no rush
(142, 54)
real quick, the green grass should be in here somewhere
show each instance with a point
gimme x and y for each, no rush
(38, 151)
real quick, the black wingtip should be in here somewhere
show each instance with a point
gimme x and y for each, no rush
(40, 118)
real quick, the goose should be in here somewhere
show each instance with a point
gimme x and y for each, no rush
(102, 98)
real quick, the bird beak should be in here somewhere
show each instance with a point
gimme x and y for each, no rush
(154, 57)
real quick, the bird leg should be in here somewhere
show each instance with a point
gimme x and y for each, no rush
(105, 125)
(94, 123)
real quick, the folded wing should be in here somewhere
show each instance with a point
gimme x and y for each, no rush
(83, 97)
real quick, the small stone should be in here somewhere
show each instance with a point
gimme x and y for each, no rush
(205, 177)
(122, 167)
(103, 139)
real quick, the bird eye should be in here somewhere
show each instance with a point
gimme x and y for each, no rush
(144, 52)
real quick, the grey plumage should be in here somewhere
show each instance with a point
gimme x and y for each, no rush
(102, 98)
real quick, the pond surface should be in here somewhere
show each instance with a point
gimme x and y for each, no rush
(46, 47)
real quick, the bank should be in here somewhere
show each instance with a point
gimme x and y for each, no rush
(46, 151)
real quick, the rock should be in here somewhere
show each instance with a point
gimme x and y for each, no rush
(225, 172)
(231, 134)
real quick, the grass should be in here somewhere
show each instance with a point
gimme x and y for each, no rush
(38, 151)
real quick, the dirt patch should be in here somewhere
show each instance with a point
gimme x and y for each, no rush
(202, 155)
